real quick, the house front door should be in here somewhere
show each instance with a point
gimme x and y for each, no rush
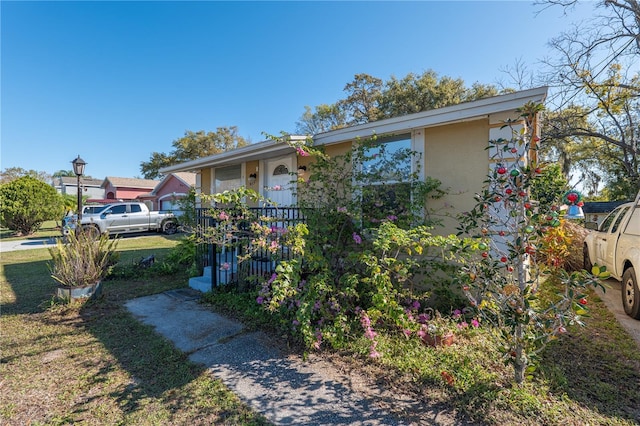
(279, 181)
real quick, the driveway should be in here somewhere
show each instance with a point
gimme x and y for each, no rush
(612, 297)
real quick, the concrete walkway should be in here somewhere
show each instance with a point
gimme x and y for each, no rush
(280, 386)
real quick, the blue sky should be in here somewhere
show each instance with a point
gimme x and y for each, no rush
(115, 81)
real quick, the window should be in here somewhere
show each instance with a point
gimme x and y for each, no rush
(281, 170)
(608, 220)
(386, 176)
(119, 209)
(228, 178)
(389, 160)
(623, 212)
(135, 208)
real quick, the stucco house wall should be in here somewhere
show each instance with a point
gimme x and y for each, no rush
(171, 190)
(456, 155)
(117, 188)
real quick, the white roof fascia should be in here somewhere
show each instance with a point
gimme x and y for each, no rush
(455, 113)
(246, 153)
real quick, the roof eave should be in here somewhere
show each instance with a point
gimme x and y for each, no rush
(245, 153)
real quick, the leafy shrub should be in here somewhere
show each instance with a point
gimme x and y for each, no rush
(182, 255)
(27, 202)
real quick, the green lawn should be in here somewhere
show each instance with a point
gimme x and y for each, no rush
(96, 364)
(49, 228)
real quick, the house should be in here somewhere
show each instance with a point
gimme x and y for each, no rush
(166, 195)
(68, 185)
(118, 188)
(451, 141)
(596, 211)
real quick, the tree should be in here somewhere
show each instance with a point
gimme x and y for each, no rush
(363, 99)
(191, 146)
(416, 93)
(64, 173)
(503, 282)
(549, 186)
(596, 69)
(26, 202)
(11, 173)
(370, 99)
(325, 118)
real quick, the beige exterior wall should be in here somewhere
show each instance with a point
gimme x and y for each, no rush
(205, 181)
(338, 149)
(456, 155)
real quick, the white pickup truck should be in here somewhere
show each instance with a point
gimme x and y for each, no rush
(616, 245)
(123, 218)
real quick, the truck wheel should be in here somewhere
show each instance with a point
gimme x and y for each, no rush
(586, 261)
(170, 227)
(91, 232)
(630, 294)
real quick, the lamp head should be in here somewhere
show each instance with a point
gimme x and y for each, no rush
(78, 166)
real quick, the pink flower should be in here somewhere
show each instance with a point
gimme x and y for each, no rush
(365, 321)
(302, 152)
(342, 209)
(370, 334)
(374, 354)
(225, 266)
(223, 216)
(260, 300)
(357, 238)
(407, 332)
(475, 323)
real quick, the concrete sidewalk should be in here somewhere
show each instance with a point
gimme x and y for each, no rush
(31, 243)
(280, 386)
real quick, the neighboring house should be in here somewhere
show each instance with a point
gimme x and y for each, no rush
(452, 142)
(167, 194)
(68, 185)
(118, 188)
(596, 211)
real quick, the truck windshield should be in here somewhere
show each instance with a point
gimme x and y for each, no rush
(93, 209)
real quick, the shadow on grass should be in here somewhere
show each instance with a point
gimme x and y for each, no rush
(597, 366)
(101, 352)
(27, 287)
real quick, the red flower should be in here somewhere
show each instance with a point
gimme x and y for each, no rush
(448, 378)
(582, 301)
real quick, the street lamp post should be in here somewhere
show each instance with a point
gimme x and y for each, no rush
(78, 169)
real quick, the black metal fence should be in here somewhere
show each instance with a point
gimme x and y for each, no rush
(221, 249)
